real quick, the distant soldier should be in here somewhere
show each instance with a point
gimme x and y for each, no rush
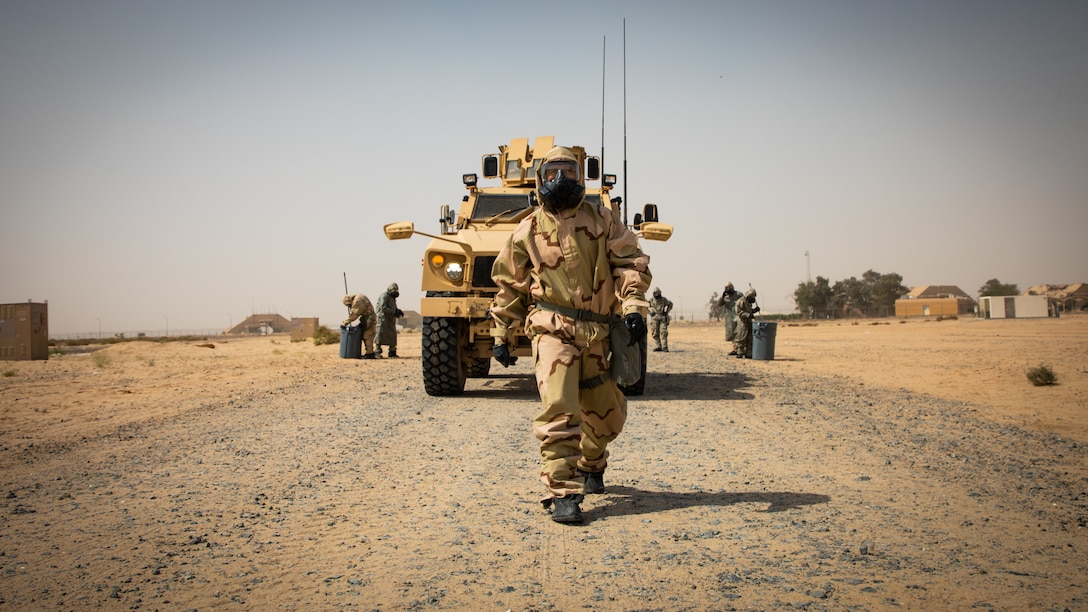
(728, 302)
(388, 313)
(660, 307)
(746, 308)
(363, 311)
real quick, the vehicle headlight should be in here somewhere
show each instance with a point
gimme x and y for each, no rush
(455, 271)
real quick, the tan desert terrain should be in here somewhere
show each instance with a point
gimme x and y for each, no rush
(871, 466)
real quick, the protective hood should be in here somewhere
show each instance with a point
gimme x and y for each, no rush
(562, 193)
(347, 300)
(392, 288)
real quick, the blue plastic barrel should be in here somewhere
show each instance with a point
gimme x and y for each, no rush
(351, 342)
(763, 333)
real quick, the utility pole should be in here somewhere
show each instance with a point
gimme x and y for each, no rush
(808, 269)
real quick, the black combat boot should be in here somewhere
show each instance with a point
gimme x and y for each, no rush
(369, 356)
(594, 482)
(566, 509)
(392, 353)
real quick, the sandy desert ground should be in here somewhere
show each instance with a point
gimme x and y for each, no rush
(869, 466)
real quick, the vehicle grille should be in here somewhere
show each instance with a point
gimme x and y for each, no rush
(481, 271)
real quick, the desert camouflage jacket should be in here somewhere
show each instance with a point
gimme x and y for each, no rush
(582, 258)
(660, 307)
(360, 307)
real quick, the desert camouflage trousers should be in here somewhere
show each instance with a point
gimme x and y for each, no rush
(659, 329)
(583, 411)
(369, 325)
(742, 342)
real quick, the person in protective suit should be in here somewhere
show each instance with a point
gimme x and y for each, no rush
(388, 313)
(660, 307)
(746, 308)
(728, 303)
(361, 310)
(563, 273)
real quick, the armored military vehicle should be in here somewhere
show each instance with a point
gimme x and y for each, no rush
(457, 282)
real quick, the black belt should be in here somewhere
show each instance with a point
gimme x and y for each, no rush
(575, 313)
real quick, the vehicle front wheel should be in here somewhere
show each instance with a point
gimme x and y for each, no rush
(442, 371)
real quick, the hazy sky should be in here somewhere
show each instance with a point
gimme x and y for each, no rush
(186, 164)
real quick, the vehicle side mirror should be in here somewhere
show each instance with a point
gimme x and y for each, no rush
(400, 230)
(491, 166)
(593, 168)
(638, 220)
(444, 218)
(655, 231)
(649, 213)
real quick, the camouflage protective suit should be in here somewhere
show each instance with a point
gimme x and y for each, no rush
(728, 302)
(388, 313)
(660, 307)
(362, 309)
(582, 258)
(745, 308)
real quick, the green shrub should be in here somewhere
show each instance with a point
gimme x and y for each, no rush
(1042, 376)
(9, 373)
(324, 335)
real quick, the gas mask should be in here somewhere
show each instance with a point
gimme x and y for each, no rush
(560, 187)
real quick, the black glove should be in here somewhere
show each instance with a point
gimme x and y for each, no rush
(503, 356)
(637, 326)
(399, 313)
(755, 309)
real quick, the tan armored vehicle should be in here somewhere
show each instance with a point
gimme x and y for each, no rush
(457, 263)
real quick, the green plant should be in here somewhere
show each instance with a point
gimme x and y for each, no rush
(9, 373)
(1042, 375)
(100, 360)
(324, 335)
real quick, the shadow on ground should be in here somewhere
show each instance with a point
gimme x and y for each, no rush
(659, 385)
(622, 501)
(697, 386)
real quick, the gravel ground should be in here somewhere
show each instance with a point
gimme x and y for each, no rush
(264, 474)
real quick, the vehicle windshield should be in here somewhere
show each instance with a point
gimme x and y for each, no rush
(499, 205)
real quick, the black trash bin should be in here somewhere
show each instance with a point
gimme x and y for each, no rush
(763, 333)
(351, 342)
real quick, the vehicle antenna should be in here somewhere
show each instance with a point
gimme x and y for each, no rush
(604, 47)
(625, 200)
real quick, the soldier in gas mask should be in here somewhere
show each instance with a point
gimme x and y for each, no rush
(388, 313)
(565, 270)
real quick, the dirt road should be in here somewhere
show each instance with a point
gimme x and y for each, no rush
(901, 466)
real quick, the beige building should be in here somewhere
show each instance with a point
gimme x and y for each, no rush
(1067, 298)
(262, 325)
(934, 301)
(303, 328)
(1013, 306)
(24, 331)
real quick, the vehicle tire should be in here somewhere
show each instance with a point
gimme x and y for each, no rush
(442, 371)
(638, 387)
(479, 367)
